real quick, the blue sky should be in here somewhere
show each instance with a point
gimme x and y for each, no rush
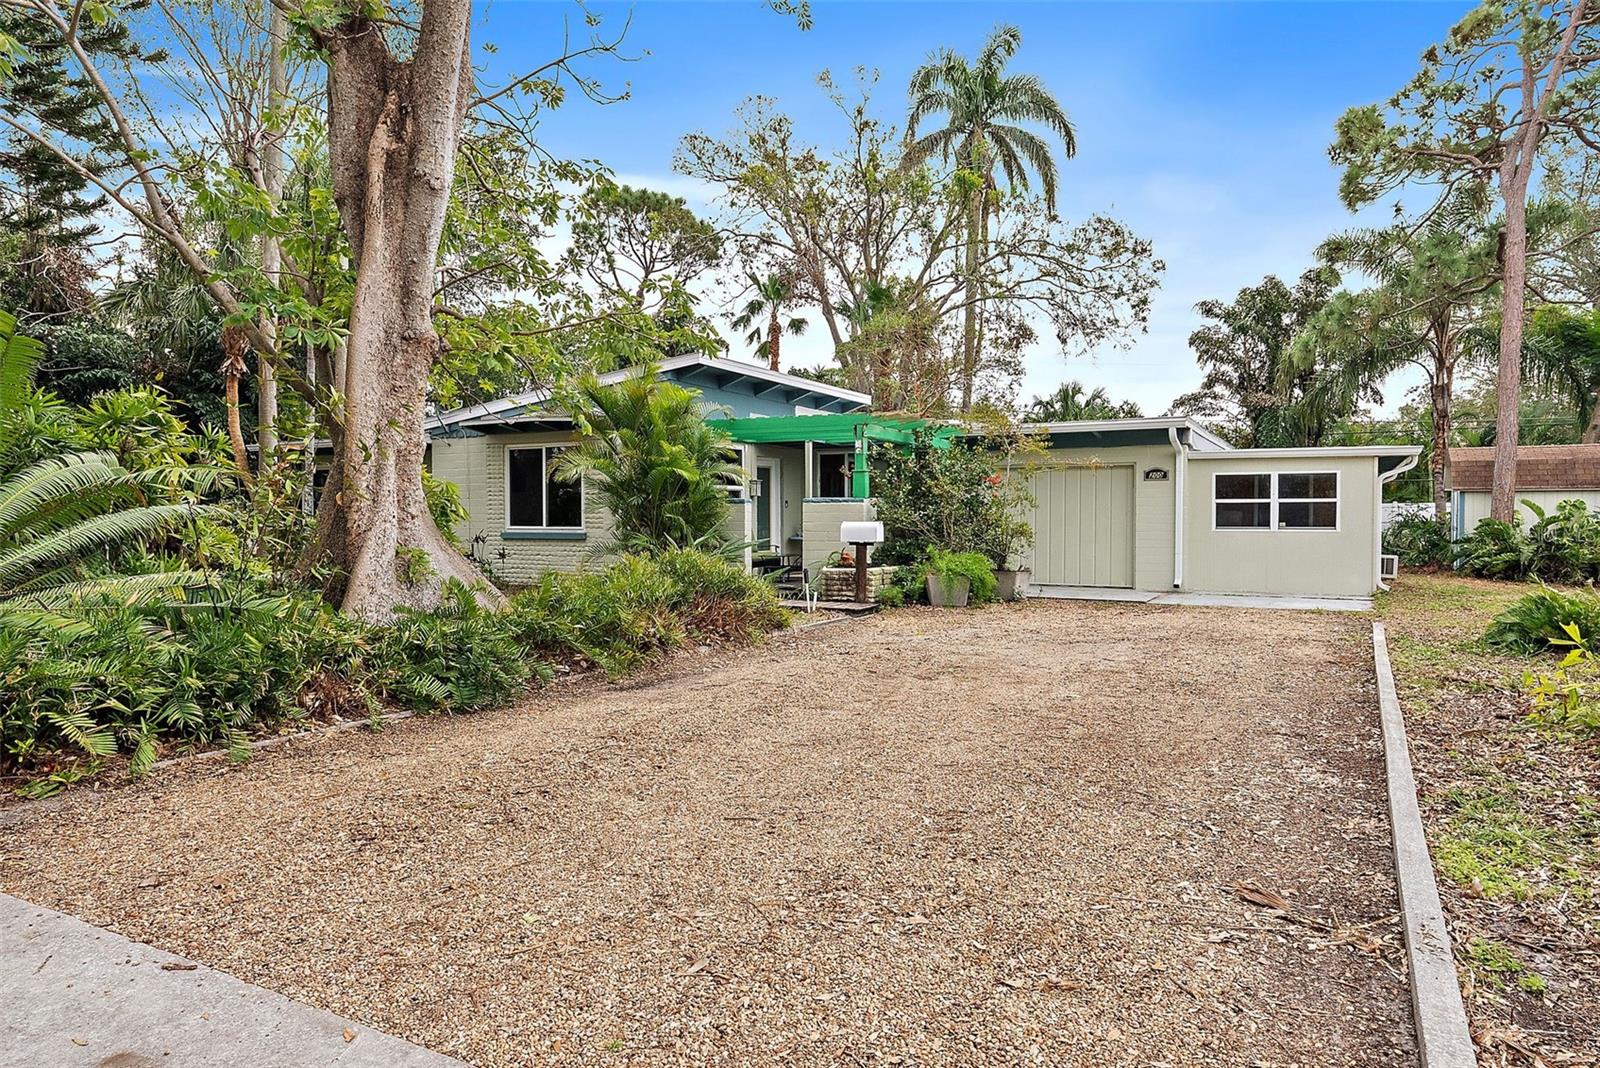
(1202, 125)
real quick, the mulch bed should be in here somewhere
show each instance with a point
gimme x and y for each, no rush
(1513, 820)
(1059, 833)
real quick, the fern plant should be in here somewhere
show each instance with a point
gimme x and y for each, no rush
(61, 516)
(1544, 618)
(1565, 543)
(1495, 549)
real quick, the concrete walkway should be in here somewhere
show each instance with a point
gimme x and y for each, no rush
(72, 994)
(1215, 600)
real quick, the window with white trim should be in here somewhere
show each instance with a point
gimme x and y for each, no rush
(1288, 500)
(534, 499)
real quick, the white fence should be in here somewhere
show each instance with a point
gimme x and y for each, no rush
(1393, 510)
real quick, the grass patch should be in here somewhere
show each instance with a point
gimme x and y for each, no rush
(1494, 965)
(1502, 847)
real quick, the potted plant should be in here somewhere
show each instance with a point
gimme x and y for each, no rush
(1011, 537)
(955, 579)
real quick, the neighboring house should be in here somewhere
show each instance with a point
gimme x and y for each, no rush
(1546, 475)
(1146, 504)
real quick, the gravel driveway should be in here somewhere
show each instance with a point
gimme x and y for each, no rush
(1008, 836)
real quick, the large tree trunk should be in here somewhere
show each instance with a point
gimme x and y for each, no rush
(1439, 390)
(393, 130)
(1508, 390)
(274, 171)
(969, 315)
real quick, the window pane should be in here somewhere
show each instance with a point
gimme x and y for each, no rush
(565, 499)
(1322, 486)
(1243, 514)
(1299, 515)
(525, 483)
(1243, 487)
(833, 474)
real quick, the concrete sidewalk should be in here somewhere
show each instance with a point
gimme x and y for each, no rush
(1211, 600)
(72, 994)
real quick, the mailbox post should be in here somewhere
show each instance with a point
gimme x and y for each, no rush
(862, 536)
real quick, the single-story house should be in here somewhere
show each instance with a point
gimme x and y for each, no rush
(1163, 504)
(1156, 504)
(1546, 475)
(526, 523)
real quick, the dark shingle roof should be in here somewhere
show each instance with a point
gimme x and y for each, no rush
(1539, 467)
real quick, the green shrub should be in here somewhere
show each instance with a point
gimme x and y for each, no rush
(959, 498)
(114, 677)
(976, 568)
(1565, 544)
(1539, 620)
(719, 599)
(623, 614)
(1495, 549)
(614, 618)
(890, 596)
(1419, 541)
(458, 657)
(1569, 696)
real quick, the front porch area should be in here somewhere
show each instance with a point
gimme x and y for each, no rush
(805, 475)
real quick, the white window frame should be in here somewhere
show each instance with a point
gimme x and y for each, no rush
(1274, 500)
(544, 487)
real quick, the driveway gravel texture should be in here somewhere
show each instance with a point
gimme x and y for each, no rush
(1013, 835)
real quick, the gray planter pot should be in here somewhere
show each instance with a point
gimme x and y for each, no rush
(1009, 585)
(953, 595)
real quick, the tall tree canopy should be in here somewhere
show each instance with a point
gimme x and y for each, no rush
(982, 105)
(863, 220)
(1428, 308)
(1513, 80)
(1073, 401)
(1251, 389)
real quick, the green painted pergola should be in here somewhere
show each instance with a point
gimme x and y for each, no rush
(855, 429)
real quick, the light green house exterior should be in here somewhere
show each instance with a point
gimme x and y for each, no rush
(1157, 505)
(1138, 504)
(477, 447)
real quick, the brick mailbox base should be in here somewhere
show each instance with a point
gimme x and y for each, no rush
(839, 583)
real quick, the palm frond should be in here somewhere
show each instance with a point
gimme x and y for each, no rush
(89, 535)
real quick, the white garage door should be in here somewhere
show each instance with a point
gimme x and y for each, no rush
(1083, 527)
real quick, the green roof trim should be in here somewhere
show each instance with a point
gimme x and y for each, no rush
(847, 429)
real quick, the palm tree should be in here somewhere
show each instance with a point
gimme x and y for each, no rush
(774, 293)
(1072, 403)
(62, 513)
(983, 106)
(1561, 351)
(659, 468)
(1429, 308)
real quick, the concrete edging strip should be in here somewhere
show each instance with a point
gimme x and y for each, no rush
(78, 995)
(1443, 1039)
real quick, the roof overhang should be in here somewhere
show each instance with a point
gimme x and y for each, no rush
(1153, 430)
(518, 411)
(1331, 452)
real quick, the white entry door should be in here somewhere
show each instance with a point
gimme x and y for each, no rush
(1083, 527)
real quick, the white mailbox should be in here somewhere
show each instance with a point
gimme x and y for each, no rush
(855, 533)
